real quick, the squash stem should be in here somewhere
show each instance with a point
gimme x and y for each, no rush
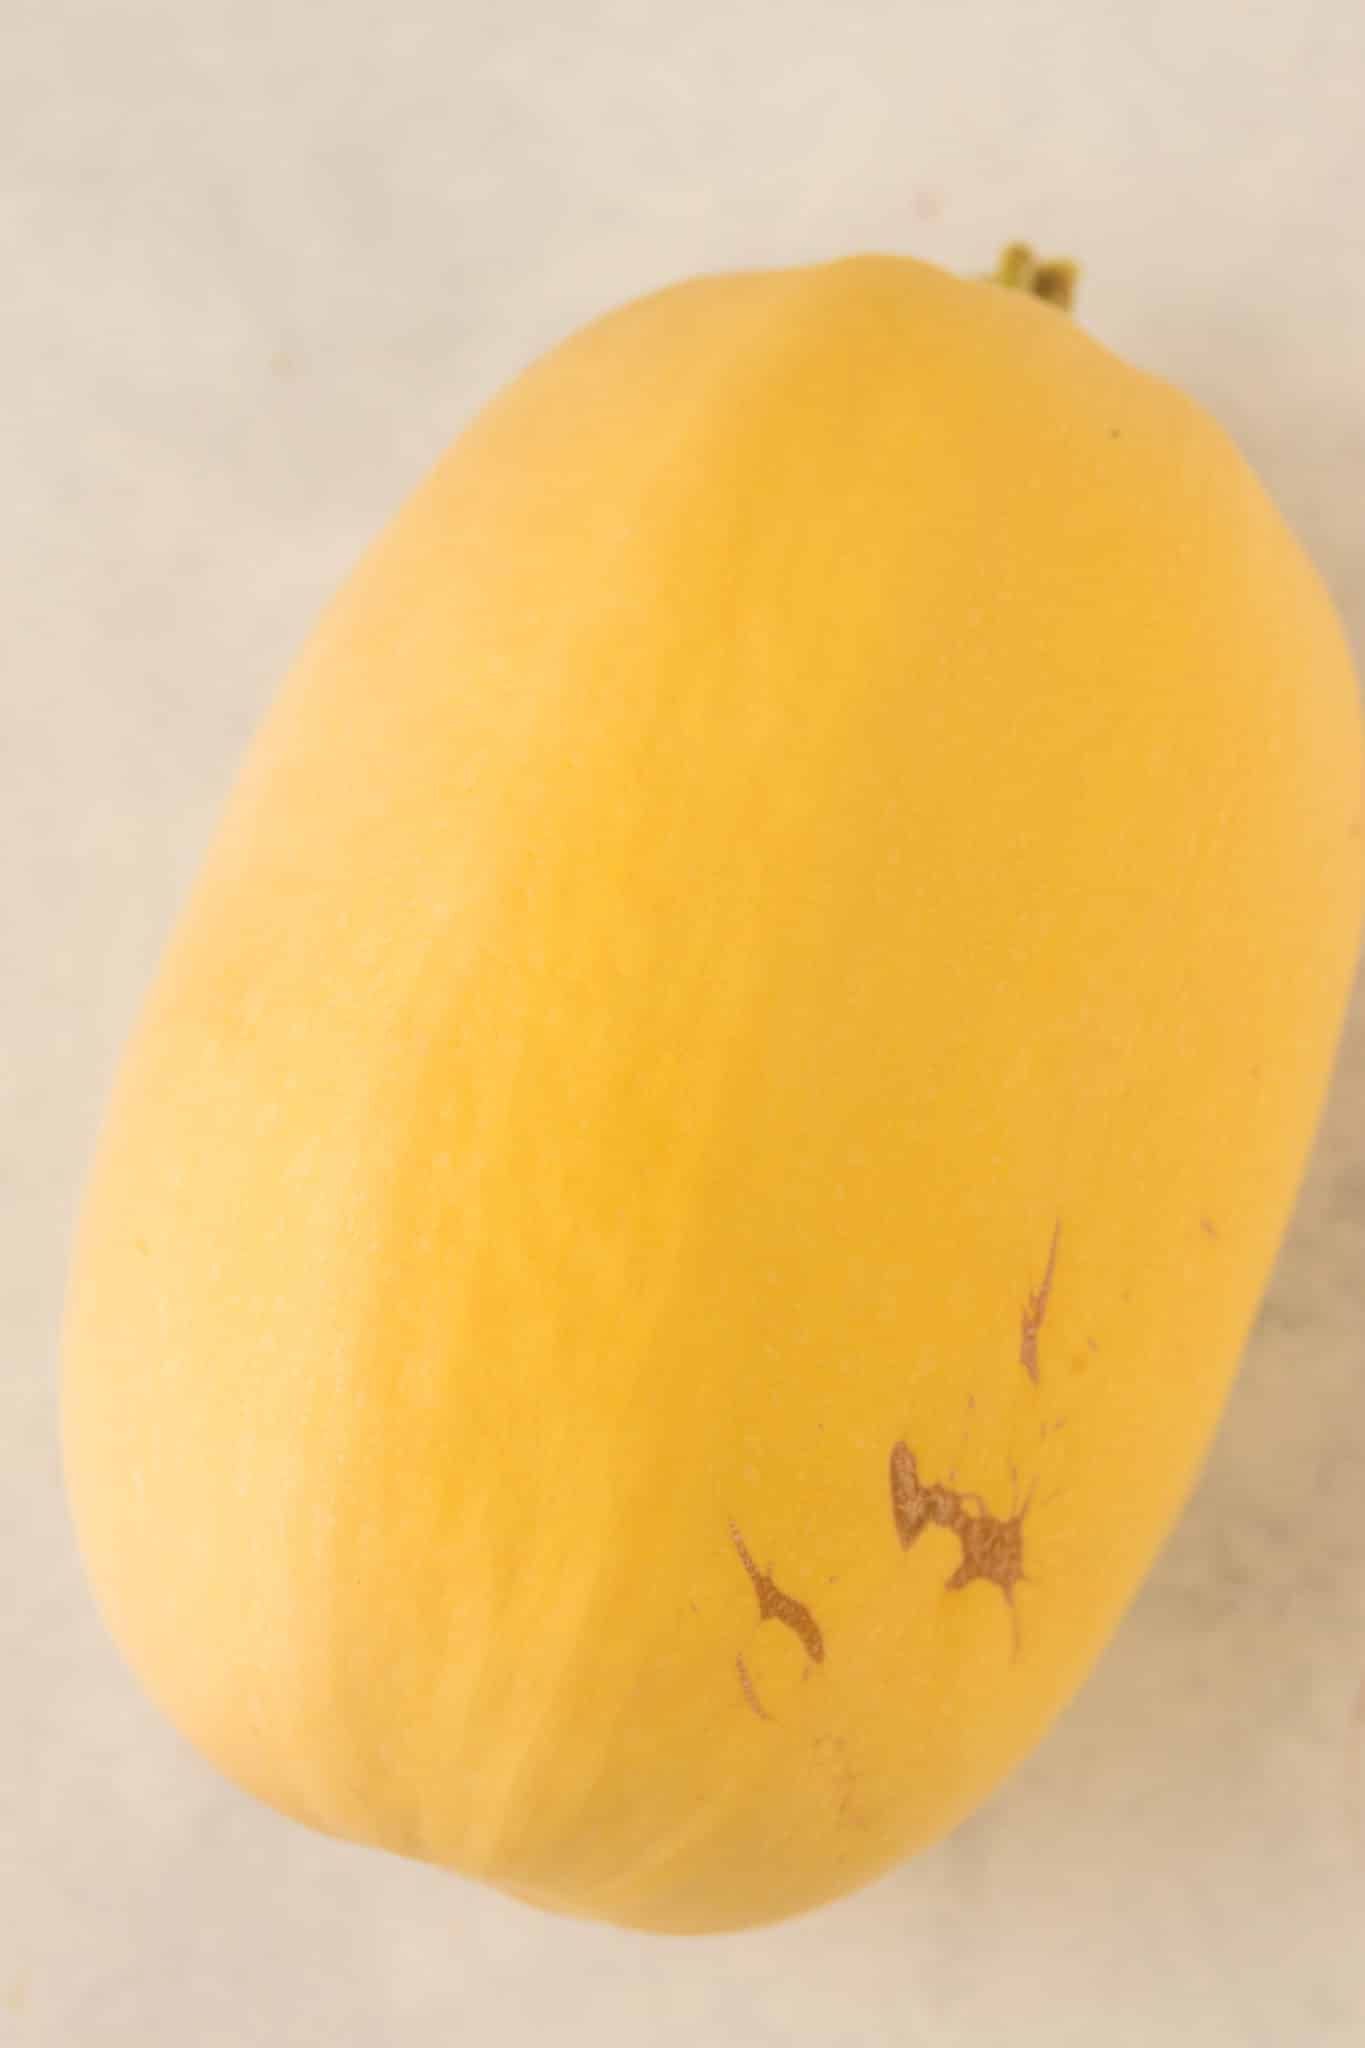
(1053, 280)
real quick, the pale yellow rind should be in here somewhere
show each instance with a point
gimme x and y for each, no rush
(832, 779)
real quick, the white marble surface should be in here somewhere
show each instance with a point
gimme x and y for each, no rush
(258, 261)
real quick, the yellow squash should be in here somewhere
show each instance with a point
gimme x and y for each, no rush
(689, 1190)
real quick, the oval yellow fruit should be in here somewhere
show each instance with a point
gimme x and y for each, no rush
(688, 1193)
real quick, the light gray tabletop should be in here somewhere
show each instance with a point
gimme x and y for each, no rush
(258, 262)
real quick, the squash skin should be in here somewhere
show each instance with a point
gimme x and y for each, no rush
(799, 902)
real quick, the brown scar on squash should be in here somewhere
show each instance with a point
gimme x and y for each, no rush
(746, 1686)
(775, 1605)
(915, 1506)
(992, 1545)
(1035, 1308)
(831, 1752)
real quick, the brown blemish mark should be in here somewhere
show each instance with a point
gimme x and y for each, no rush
(831, 1753)
(746, 1686)
(1206, 1226)
(915, 1506)
(992, 1545)
(1035, 1308)
(775, 1605)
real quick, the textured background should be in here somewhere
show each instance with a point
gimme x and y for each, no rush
(258, 262)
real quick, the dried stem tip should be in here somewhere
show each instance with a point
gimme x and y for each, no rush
(1020, 270)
